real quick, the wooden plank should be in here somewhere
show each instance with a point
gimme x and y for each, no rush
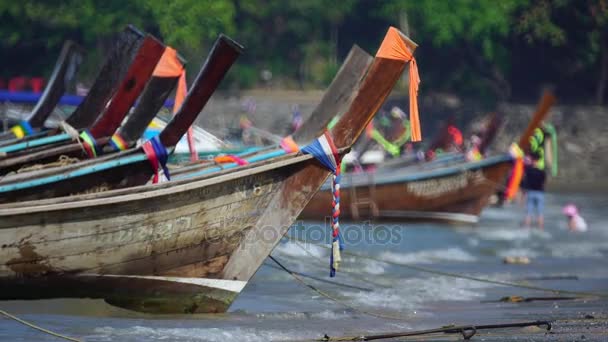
(106, 83)
(338, 96)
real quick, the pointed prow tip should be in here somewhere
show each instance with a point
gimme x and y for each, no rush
(396, 45)
(236, 45)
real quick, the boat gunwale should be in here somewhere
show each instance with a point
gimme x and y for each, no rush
(148, 190)
(440, 171)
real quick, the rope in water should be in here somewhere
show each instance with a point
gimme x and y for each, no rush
(33, 326)
(354, 274)
(323, 280)
(332, 298)
(467, 331)
(462, 276)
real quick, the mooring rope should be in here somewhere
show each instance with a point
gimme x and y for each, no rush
(33, 326)
(462, 276)
(467, 331)
(62, 161)
(323, 280)
(332, 298)
(354, 274)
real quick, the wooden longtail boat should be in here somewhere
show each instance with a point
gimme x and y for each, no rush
(451, 190)
(64, 74)
(49, 149)
(181, 246)
(115, 67)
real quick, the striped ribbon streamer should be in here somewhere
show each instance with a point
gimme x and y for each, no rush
(157, 156)
(89, 143)
(118, 143)
(325, 151)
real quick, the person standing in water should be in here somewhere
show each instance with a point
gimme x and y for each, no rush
(535, 185)
(576, 223)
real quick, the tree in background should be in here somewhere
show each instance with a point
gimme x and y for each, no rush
(490, 50)
(578, 29)
(29, 26)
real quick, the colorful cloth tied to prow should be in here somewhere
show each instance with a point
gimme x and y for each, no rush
(325, 151)
(89, 143)
(157, 156)
(170, 66)
(118, 143)
(394, 47)
(230, 159)
(22, 129)
(456, 135)
(289, 145)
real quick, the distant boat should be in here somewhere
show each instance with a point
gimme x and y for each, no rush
(448, 189)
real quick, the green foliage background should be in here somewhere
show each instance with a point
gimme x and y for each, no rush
(494, 50)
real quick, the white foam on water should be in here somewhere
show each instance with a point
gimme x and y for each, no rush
(372, 267)
(293, 315)
(430, 256)
(578, 249)
(300, 250)
(412, 295)
(512, 234)
(140, 333)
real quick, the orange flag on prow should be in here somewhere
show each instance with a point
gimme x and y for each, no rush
(170, 66)
(394, 47)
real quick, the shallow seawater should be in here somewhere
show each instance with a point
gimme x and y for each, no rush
(375, 292)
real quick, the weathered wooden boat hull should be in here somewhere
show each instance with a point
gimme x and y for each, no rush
(456, 193)
(188, 231)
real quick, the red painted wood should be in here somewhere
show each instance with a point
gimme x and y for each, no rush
(130, 88)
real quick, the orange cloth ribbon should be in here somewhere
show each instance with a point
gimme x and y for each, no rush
(170, 66)
(394, 47)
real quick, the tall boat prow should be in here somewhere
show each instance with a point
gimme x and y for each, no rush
(63, 76)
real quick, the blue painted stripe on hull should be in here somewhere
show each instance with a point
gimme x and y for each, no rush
(35, 143)
(76, 173)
